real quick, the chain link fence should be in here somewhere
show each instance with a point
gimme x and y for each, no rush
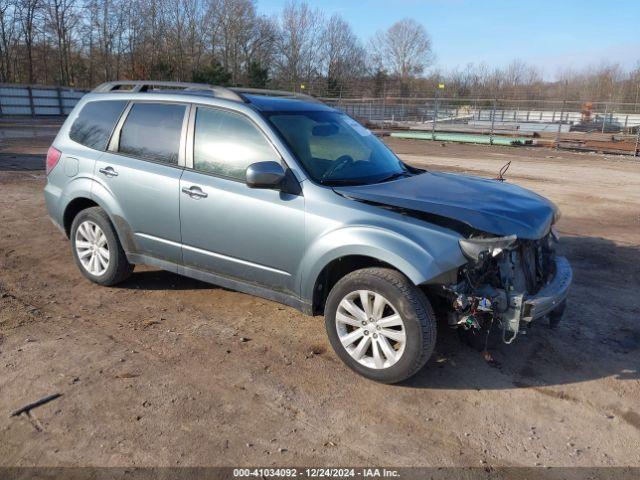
(599, 126)
(608, 127)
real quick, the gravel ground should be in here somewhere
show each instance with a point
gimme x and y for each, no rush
(164, 370)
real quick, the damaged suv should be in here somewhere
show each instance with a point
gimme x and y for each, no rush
(280, 196)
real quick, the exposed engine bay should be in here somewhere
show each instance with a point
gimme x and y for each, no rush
(512, 275)
(492, 289)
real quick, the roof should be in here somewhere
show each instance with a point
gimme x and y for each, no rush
(259, 99)
(265, 103)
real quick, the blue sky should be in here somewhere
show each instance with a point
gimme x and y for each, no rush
(551, 35)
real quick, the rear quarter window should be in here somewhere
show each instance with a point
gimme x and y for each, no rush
(95, 123)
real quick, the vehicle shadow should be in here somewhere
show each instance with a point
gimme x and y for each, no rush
(599, 335)
(163, 280)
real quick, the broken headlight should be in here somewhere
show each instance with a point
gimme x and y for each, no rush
(473, 248)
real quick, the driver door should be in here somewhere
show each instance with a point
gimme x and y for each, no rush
(254, 235)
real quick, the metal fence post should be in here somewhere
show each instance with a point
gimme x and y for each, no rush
(31, 106)
(59, 90)
(564, 104)
(604, 119)
(635, 152)
(493, 121)
(435, 118)
(384, 106)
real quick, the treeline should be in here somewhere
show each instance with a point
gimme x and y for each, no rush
(85, 42)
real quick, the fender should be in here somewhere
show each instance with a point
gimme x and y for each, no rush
(420, 263)
(105, 199)
(79, 186)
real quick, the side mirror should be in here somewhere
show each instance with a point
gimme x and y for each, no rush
(265, 175)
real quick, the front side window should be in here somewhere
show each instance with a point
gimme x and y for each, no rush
(152, 131)
(95, 123)
(227, 143)
(335, 149)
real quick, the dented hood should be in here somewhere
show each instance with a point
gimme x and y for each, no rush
(494, 207)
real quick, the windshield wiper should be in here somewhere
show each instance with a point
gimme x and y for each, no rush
(342, 182)
(355, 182)
(393, 176)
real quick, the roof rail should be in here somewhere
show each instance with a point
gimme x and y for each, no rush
(236, 94)
(274, 93)
(134, 86)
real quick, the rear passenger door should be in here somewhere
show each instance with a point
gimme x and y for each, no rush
(255, 235)
(140, 172)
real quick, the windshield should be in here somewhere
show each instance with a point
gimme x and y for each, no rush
(335, 149)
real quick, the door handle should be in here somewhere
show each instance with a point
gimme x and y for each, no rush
(194, 192)
(108, 171)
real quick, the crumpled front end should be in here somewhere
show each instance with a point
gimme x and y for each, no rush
(508, 282)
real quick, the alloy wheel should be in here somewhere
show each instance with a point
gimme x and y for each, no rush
(370, 329)
(92, 248)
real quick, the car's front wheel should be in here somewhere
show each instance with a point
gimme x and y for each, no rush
(96, 248)
(380, 324)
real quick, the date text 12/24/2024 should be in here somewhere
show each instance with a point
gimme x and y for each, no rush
(315, 472)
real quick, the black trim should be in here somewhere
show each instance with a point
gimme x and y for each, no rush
(143, 159)
(225, 282)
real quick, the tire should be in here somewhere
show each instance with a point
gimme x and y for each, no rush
(416, 334)
(86, 225)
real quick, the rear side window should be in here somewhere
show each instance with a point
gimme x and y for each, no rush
(95, 123)
(152, 131)
(227, 143)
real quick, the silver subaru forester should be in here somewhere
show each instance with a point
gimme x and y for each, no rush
(280, 196)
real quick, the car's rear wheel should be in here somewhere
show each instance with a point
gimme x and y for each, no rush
(96, 248)
(380, 324)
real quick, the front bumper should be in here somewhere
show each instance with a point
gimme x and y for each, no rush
(552, 295)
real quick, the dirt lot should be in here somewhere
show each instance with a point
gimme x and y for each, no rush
(164, 370)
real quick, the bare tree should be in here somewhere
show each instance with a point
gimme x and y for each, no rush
(194, 35)
(26, 11)
(299, 52)
(259, 46)
(403, 50)
(62, 19)
(8, 41)
(344, 57)
(84, 42)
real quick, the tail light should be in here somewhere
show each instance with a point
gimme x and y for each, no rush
(53, 156)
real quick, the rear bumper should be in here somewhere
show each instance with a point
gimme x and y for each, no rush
(54, 201)
(552, 295)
